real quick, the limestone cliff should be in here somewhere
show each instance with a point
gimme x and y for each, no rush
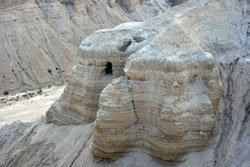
(102, 57)
(168, 102)
(39, 38)
(168, 87)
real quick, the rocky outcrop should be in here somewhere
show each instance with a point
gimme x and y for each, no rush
(149, 109)
(79, 103)
(167, 103)
(162, 110)
(39, 38)
(100, 61)
(46, 145)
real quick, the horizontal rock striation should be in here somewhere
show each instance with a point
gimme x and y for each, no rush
(102, 57)
(165, 106)
(165, 82)
(39, 38)
(167, 103)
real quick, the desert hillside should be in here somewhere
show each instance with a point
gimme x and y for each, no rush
(39, 38)
(166, 91)
(171, 90)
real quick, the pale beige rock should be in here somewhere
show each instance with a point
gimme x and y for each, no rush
(10, 3)
(217, 28)
(39, 38)
(104, 48)
(32, 52)
(47, 145)
(165, 106)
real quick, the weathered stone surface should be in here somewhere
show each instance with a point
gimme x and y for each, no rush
(166, 106)
(164, 116)
(10, 134)
(142, 9)
(167, 103)
(10, 3)
(32, 53)
(170, 95)
(176, 2)
(217, 28)
(100, 61)
(39, 38)
(49, 145)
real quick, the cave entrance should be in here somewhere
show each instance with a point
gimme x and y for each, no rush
(109, 70)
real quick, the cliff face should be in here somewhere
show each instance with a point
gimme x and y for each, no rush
(102, 57)
(166, 103)
(168, 87)
(39, 38)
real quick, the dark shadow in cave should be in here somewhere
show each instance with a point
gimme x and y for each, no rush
(109, 70)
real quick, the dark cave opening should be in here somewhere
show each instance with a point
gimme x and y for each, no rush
(109, 70)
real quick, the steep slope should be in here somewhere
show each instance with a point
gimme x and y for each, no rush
(55, 146)
(39, 38)
(215, 34)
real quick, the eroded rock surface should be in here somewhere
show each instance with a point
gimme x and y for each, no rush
(167, 103)
(45, 145)
(39, 38)
(174, 72)
(102, 57)
(165, 114)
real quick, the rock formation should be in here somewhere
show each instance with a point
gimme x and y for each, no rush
(172, 85)
(100, 61)
(167, 103)
(161, 110)
(39, 38)
(165, 106)
(49, 145)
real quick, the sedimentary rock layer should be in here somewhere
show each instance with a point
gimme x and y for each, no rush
(166, 102)
(39, 38)
(102, 57)
(166, 105)
(47, 145)
(217, 32)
